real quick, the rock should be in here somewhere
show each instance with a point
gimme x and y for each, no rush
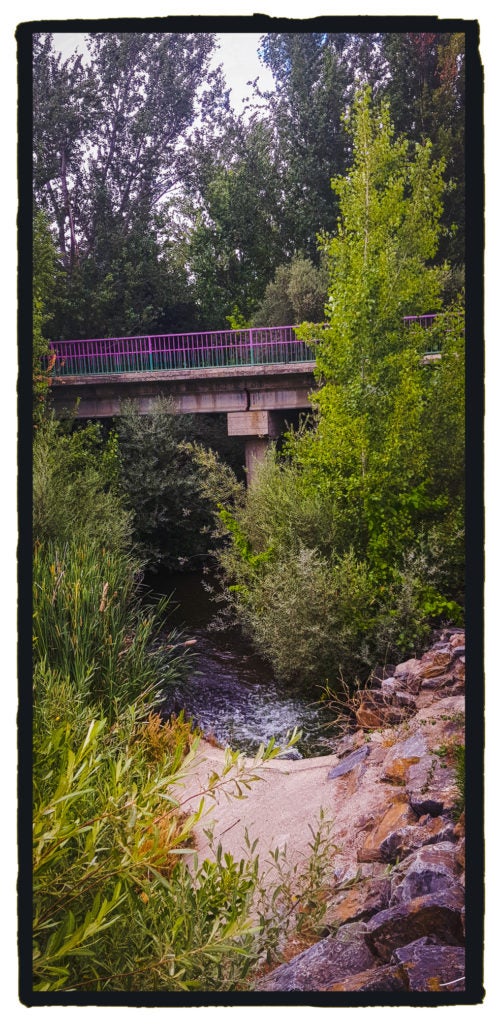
(458, 668)
(431, 788)
(328, 961)
(434, 663)
(380, 673)
(403, 841)
(374, 714)
(427, 869)
(437, 915)
(399, 815)
(363, 899)
(388, 687)
(441, 682)
(457, 640)
(348, 743)
(428, 967)
(349, 763)
(377, 979)
(408, 675)
(401, 757)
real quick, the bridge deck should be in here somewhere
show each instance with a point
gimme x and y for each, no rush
(209, 373)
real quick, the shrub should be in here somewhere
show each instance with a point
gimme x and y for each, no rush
(74, 487)
(117, 905)
(114, 907)
(161, 484)
(307, 616)
(89, 626)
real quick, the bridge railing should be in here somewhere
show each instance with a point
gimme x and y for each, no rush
(435, 325)
(255, 346)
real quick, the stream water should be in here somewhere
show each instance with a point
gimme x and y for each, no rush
(231, 693)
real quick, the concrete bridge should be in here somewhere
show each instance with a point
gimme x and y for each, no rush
(255, 376)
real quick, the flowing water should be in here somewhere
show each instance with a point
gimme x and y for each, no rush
(231, 693)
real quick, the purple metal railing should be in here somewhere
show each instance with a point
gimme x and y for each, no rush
(252, 346)
(426, 321)
(256, 346)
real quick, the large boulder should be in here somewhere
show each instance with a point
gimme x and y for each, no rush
(328, 961)
(358, 902)
(431, 786)
(429, 967)
(428, 869)
(437, 915)
(377, 979)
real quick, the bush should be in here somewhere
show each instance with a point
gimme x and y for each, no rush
(308, 616)
(161, 485)
(75, 489)
(121, 902)
(89, 626)
(115, 906)
(298, 292)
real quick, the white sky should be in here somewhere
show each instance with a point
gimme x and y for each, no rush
(237, 52)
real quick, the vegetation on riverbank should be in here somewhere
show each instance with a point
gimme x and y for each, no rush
(351, 541)
(116, 907)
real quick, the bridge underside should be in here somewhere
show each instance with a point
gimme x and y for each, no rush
(255, 398)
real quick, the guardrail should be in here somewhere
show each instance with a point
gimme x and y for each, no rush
(257, 346)
(252, 346)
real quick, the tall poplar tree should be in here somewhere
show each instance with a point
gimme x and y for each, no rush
(372, 445)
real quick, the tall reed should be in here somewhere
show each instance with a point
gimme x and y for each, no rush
(89, 625)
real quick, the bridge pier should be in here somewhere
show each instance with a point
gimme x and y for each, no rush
(259, 427)
(255, 449)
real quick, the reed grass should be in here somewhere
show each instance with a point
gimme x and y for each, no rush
(90, 626)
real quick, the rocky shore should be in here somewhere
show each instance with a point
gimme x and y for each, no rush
(397, 919)
(393, 789)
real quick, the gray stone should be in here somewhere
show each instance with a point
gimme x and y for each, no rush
(428, 869)
(430, 967)
(404, 700)
(408, 675)
(377, 979)
(437, 915)
(403, 841)
(321, 965)
(431, 788)
(349, 762)
(388, 686)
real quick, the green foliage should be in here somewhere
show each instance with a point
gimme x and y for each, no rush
(121, 902)
(361, 524)
(88, 626)
(75, 490)
(114, 906)
(44, 281)
(312, 76)
(307, 616)
(426, 91)
(161, 484)
(298, 902)
(298, 292)
(234, 244)
(376, 441)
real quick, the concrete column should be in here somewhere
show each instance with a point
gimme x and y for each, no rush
(255, 448)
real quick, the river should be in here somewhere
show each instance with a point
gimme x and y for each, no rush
(231, 693)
